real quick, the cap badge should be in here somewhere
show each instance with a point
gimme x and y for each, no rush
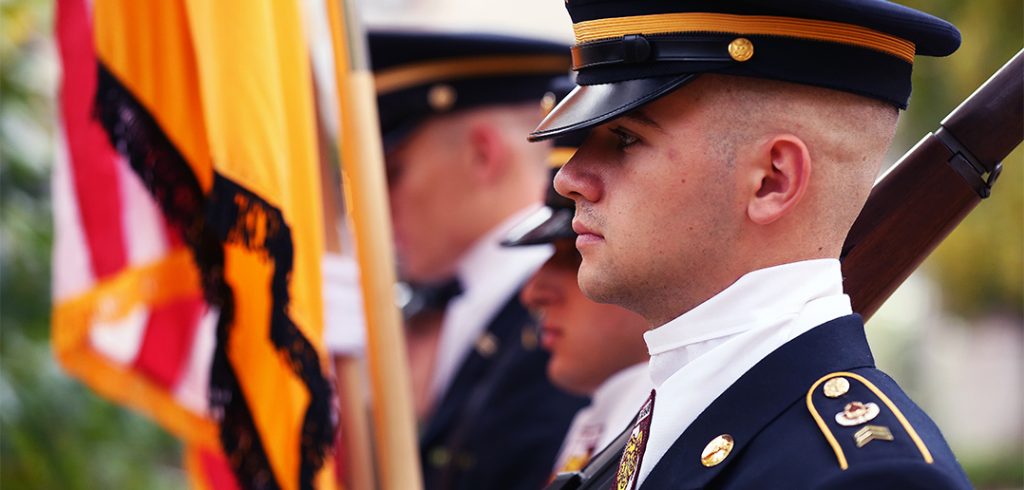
(441, 97)
(856, 413)
(717, 450)
(741, 49)
(870, 433)
(836, 387)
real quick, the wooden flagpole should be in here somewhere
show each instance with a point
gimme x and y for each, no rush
(353, 419)
(366, 201)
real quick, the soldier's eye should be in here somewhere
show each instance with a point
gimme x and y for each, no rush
(625, 138)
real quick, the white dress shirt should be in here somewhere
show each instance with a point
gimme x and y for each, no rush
(611, 410)
(490, 275)
(698, 355)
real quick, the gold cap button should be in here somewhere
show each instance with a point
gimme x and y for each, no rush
(717, 450)
(741, 49)
(441, 97)
(837, 387)
(547, 103)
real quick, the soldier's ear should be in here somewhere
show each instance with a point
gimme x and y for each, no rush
(489, 151)
(780, 175)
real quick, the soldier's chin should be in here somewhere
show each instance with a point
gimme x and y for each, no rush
(567, 379)
(595, 285)
(419, 271)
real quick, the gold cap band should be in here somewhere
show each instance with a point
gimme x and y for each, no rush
(405, 76)
(750, 25)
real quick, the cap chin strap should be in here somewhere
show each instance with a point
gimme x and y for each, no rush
(637, 48)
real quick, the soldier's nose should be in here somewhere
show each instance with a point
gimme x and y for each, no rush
(574, 182)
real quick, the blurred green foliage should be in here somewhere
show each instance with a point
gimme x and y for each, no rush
(980, 267)
(54, 432)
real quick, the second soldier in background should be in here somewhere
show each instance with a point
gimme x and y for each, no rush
(454, 109)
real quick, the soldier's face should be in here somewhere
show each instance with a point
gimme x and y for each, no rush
(655, 206)
(427, 189)
(588, 341)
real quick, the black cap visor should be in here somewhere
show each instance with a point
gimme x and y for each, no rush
(591, 105)
(547, 225)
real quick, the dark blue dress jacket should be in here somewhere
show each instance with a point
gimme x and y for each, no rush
(786, 432)
(501, 422)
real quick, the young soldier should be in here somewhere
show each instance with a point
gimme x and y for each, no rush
(453, 110)
(731, 146)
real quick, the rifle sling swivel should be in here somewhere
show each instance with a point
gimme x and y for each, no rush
(967, 165)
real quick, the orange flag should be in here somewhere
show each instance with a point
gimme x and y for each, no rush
(188, 215)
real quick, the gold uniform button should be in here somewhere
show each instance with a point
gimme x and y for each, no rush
(487, 345)
(837, 387)
(529, 337)
(441, 97)
(439, 456)
(741, 49)
(717, 450)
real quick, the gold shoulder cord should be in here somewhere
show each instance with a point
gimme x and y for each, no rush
(840, 456)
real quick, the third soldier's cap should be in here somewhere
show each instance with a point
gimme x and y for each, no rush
(553, 221)
(629, 53)
(422, 74)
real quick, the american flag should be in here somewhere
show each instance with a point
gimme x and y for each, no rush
(188, 242)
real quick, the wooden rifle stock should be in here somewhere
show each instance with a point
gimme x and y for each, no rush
(926, 194)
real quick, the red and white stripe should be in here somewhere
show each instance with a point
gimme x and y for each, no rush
(106, 222)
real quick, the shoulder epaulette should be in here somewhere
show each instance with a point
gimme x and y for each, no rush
(860, 422)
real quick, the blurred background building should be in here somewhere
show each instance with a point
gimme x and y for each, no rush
(953, 335)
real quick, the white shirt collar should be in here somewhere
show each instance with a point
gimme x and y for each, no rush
(757, 299)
